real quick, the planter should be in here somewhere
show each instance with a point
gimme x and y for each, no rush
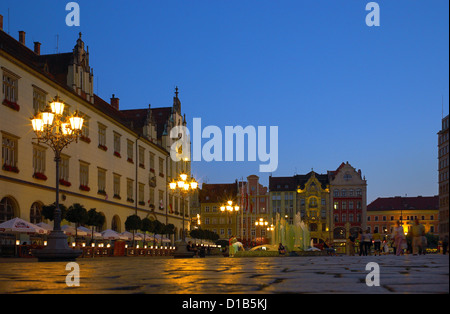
(64, 182)
(11, 104)
(39, 176)
(10, 168)
(85, 188)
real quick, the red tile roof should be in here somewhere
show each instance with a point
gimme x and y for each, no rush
(405, 203)
(217, 193)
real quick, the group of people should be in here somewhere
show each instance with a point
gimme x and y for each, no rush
(198, 251)
(399, 243)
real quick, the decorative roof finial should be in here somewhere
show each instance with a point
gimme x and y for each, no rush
(176, 91)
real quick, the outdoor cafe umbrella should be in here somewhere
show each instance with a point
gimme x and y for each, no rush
(161, 239)
(97, 235)
(70, 230)
(109, 234)
(145, 237)
(45, 226)
(17, 225)
(129, 236)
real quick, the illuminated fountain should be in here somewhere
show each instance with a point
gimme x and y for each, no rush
(295, 237)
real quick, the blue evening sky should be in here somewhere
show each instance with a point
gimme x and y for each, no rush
(337, 89)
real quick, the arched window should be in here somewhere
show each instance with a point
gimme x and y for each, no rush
(8, 209)
(36, 213)
(115, 224)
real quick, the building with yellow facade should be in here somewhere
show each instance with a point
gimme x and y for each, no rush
(211, 198)
(332, 205)
(383, 213)
(120, 165)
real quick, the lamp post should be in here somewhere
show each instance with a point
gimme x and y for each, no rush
(261, 223)
(229, 208)
(183, 187)
(57, 131)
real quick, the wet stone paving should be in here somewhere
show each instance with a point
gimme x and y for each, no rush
(220, 275)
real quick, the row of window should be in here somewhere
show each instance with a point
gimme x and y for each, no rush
(392, 218)
(229, 232)
(384, 229)
(443, 151)
(342, 205)
(215, 209)
(345, 192)
(343, 217)
(9, 160)
(9, 143)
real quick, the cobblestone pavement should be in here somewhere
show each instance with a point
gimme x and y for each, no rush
(220, 275)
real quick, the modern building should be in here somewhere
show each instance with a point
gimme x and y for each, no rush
(332, 205)
(120, 165)
(384, 212)
(443, 163)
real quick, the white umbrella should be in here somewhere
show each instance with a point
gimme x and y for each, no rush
(69, 230)
(112, 235)
(145, 236)
(45, 226)
(129, 236)
(162, 239)
(97, 235)
(17, 225)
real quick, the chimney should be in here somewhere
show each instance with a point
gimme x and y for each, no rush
(37, 47)
(1, 22)
(22, 37)
(115, 102)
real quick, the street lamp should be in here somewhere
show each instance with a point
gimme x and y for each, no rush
(57, 131)
(183, 187)
(261, 223)
(229, 208)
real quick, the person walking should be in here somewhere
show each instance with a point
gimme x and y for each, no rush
(418, 238)
(351, 245)
(376, 243)
(399, 238)
(367, 238)
(361, 243)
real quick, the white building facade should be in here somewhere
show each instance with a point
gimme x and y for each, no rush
(121, 164)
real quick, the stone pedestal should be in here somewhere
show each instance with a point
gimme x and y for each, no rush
(182, 251)
(57, 249)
